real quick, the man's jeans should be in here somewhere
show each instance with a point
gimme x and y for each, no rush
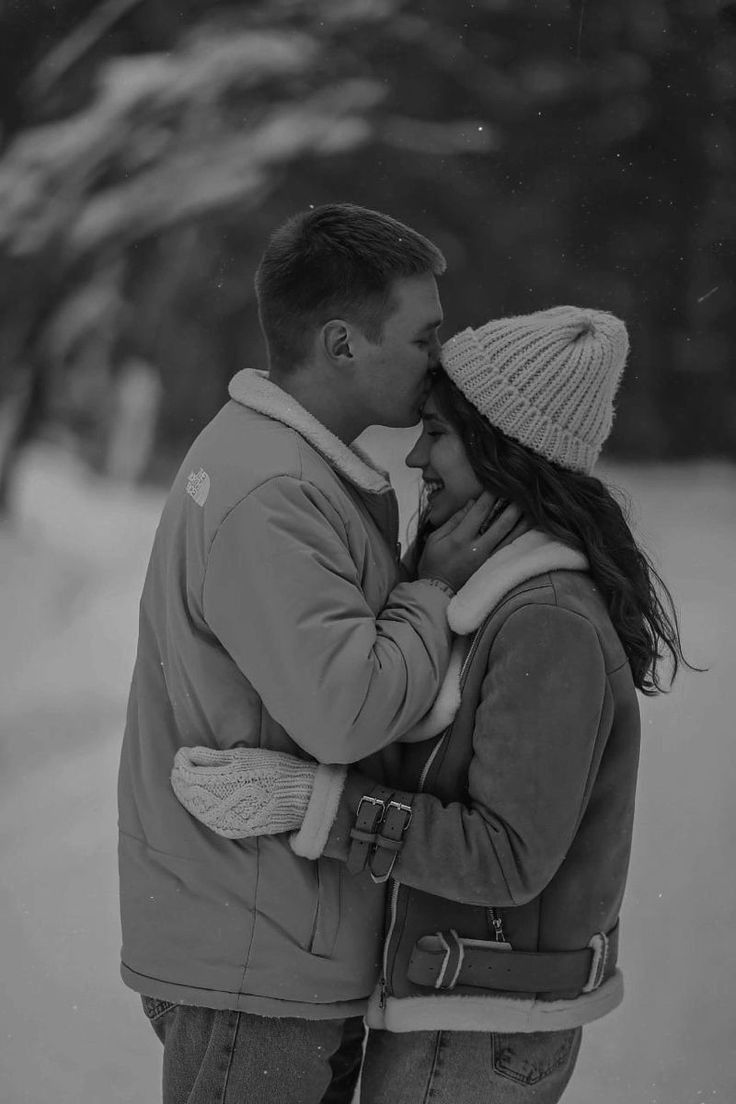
(465, 1067)
(222, 1057)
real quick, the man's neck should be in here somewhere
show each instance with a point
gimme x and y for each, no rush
(322, 401)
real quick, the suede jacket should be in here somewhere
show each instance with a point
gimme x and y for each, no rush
(272, 616)
(521, 816)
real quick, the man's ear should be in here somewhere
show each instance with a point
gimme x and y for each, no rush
(336, 337)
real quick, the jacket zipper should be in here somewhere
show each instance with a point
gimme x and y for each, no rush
(494, 917)
(395, 885)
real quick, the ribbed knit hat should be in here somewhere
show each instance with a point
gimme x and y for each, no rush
(546, 379)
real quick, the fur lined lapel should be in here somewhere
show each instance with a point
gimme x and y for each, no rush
(254, 389)
(529, 555)
(447, 702)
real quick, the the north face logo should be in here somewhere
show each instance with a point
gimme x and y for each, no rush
(198, 486)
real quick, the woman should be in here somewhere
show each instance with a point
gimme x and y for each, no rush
(508, 833)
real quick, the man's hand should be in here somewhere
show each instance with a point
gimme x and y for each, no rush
(456, 550)
(244, 792)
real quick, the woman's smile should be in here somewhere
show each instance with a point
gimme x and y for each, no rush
(432, 486)
(448, 477)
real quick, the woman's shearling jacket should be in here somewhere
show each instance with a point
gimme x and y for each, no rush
(522, 809)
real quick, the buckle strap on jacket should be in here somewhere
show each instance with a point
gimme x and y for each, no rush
(390, 840)
(444, 960)
(364, 832)
(377, 835)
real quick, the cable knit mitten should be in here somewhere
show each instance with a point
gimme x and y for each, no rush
(246, 792)
(243, 791)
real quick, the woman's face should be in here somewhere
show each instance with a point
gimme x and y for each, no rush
(448, 477)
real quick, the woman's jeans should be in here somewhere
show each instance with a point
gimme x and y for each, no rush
(468, 1067)
(222, 1057)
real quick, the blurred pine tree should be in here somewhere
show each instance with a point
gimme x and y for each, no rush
(579, 152)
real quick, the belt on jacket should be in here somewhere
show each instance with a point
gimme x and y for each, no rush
(444, 960)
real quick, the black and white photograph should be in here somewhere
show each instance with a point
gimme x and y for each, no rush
(367, 551)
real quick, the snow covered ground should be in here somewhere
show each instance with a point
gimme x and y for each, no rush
(70, 1033)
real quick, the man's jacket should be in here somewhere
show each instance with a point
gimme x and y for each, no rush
(272, 616)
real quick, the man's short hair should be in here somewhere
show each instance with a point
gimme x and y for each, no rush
(334, 261)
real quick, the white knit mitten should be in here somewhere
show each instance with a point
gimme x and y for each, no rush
(246, 792)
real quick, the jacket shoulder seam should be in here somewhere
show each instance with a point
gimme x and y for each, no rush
(556, 604)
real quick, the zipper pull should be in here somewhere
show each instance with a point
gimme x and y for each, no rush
(498, 932)
(382, 993)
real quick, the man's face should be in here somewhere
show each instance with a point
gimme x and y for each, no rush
(393, 375)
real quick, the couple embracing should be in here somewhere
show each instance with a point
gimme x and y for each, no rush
(360, 790)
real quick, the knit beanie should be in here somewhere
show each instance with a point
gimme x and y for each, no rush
(546, 379)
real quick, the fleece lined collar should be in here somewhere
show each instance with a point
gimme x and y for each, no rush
(255, 390)
(531, 554)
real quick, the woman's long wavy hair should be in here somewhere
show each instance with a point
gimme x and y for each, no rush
(580, 511)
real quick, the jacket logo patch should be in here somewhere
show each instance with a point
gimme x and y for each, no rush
(198, 486)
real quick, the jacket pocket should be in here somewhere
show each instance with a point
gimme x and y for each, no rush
(326, 922)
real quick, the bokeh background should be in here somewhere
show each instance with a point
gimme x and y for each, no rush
(557, 152)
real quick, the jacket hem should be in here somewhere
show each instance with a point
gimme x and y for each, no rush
(240, 1002)
(493, 1012)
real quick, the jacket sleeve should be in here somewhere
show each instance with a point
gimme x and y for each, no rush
(283, 594)
(535, 753)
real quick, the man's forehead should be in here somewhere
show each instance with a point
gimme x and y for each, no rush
(420, 296)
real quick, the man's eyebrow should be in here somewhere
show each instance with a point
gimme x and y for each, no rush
(435, 325)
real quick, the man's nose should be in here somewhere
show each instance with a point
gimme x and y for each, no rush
(435, 350)
(416, 458)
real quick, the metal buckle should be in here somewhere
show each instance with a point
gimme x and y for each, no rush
(402, 809)
(375, 802)
(391, 842)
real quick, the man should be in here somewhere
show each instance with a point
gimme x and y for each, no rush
(273, 616)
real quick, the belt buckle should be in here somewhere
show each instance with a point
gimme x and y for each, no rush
(379, 807)
(391, 832)
(401, 808)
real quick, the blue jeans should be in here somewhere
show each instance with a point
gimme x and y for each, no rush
(222, 1057)
(468, 1067)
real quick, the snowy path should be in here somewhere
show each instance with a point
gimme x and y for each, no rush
(69, 1031)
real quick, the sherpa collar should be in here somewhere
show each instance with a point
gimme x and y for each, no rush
(529, 555)
(255, 390)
